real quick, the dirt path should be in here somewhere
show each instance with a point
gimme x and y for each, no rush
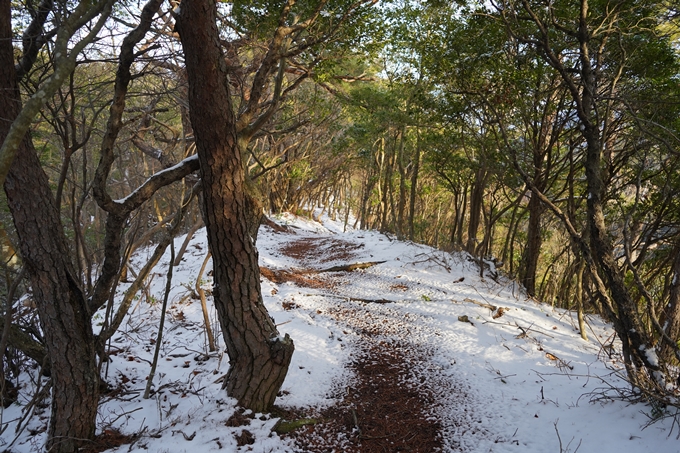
(388, 406)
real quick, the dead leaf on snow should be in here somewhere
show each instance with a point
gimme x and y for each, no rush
(464, 318)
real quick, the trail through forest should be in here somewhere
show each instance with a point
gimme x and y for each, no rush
(387, 406)
(399, 347)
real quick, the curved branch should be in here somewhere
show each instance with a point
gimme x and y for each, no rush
(158, 180)
(117, 218)
(34, 39)
(115, 123)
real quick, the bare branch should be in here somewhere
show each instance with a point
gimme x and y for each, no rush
(64, 65)
(115, 123)
(34, 38)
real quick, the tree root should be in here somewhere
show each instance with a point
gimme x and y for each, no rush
(286, 426)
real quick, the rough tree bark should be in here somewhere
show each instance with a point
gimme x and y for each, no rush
(259, 357)
(64, 316)
(64, 311)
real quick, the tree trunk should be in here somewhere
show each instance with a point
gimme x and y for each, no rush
(254, 213)
(258, 356)
(461, 214)
(401, 206)
(454, 226)
(414, 188)
(672, 315)
(626, 322)
(61, 304)
(533, 246)
(386, 183)
(364, 209)
(476, 201)
(579, 300)
(598, 253)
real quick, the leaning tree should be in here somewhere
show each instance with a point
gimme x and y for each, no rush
(304, 34)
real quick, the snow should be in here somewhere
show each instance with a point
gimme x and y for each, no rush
(652, 358)
(521, 382)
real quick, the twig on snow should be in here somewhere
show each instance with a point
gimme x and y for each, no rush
(433, 258)
(565, 449)
(481, 304)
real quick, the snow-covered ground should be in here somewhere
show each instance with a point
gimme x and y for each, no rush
(524, 381)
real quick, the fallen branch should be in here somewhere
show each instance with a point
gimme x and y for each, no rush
(275, 226)
(526, 330)
(348, 267)
(481, 304)
(436, 260)
(371, 301)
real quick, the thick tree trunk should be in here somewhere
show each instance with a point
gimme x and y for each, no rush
(61, 304)
(258, 356)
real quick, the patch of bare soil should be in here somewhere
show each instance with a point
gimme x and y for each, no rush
(321, 250)
(300, 278)
(387, 407)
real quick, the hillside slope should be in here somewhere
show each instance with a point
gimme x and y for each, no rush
(414, 353)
